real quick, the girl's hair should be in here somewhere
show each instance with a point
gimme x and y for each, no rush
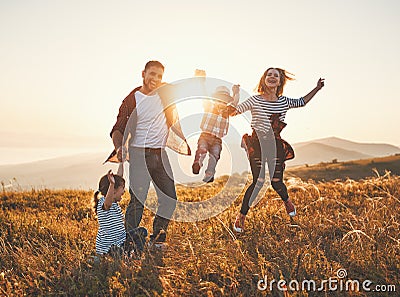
(104, 183)
(283, 78)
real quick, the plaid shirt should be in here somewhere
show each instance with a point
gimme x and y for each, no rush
(215, 123)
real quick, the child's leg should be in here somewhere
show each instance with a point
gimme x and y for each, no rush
(202, 147)
(214, 154)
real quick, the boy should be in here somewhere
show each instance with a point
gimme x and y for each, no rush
(214, 126)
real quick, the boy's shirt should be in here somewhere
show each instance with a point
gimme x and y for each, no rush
(216, 121)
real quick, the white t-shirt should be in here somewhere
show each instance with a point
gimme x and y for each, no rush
(151, 128)
(111, 227)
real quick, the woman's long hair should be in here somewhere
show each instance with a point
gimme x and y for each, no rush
(284, 76)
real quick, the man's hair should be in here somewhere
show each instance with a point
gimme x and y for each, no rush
(153, 63)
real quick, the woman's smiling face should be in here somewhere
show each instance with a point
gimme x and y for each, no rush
(272, 78)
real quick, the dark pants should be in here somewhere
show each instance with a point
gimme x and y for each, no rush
(266, 150)
(147, 165)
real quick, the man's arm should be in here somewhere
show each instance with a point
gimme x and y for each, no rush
(117, 139)
(124, 113)
(236, 96)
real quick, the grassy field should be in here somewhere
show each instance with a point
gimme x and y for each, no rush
(47, 242)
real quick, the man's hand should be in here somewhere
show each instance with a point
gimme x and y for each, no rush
(119, 154)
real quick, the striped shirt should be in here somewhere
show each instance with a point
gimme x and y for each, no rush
(111, 227)
(261, 110)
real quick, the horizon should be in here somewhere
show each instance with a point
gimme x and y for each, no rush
(44, 155)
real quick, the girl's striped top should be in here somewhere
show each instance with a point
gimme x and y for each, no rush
(111, 227)
(261, 110)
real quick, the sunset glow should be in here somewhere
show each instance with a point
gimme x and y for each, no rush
(67, 67)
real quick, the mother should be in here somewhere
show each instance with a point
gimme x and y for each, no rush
(268, 111)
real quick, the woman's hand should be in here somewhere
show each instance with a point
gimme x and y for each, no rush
(320, 83)
(236, 94)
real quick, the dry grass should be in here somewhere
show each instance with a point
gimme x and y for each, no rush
(47, 244)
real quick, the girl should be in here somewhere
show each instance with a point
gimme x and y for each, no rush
(111, 236)
(268, 110)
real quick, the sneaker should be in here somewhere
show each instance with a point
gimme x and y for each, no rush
(290, 209)
(140, 239)
(238, 226)
(208, 178)
(135, 241)
(158, 240)
(196, 167)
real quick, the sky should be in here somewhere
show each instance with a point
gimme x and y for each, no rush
(67, 65)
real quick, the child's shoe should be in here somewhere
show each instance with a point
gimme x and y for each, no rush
(208, 178)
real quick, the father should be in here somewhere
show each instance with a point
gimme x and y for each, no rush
(147, 122)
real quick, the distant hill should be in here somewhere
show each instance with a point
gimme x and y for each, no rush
(355, 170)
(79, 171)
(84, 170)
(371, 149)
(315, 152)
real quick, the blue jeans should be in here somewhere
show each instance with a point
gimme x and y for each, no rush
(211, 144)
(147, 165)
